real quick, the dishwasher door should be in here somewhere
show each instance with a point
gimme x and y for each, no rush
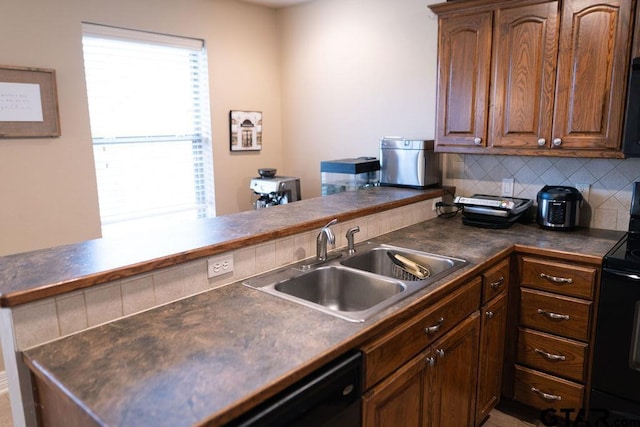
(331, 396)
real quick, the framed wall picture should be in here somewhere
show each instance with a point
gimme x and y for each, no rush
(28, 103)
(245, 130)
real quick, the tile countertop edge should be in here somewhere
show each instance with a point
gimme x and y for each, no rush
(32, 276)
(326, 337)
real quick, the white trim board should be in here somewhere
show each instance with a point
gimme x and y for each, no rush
(4, 384)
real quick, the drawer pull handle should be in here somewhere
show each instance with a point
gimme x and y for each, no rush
(431, 361)
(555, 279)
(435, 328)
(554, 316)
(546, 396)
(497, 283)
(549, 355)
(489, 314)
(440, 353)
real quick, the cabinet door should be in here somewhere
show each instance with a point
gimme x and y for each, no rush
(454, 376)
(591, 79)
(525, 50)
(398, 400)
(464, 59)
(492, 337)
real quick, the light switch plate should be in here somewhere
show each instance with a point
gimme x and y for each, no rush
(584, 190)
(507, 187)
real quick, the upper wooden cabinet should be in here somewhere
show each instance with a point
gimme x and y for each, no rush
(556, 71)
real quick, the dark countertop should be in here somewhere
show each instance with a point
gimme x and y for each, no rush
(210, 357)
(44, 273)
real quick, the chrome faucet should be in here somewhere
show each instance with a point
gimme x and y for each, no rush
(325, 235)
(351, 249)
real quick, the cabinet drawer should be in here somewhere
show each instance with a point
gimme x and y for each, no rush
(548, 353)
(544, 391)
(495, 280)
(388, 353)
(564, 316)
(566, 279)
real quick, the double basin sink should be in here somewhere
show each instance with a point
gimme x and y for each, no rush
(356, 286)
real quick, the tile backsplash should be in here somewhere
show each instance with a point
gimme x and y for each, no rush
(609, 197)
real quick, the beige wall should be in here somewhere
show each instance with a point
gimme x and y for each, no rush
(354, 71)
(47, 186)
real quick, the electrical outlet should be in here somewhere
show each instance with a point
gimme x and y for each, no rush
(507, 187)
(435, 202)
(584, 190)
(217, 266)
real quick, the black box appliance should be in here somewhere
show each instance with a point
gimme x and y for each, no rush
(349, 174)
(485, 211)
(558, 207)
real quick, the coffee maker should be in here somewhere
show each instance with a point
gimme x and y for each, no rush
(274, 190)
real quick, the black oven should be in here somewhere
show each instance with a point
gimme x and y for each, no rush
(615, 385)
(631, 134)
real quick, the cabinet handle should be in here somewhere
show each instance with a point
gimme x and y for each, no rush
(497, 283)
(477, 140)
(489, 314)
(435, 328)
(556, 279)
(431, 361)
(552, 315)
(440, 353)
(546, 396)
(557, 142)
(549, 355)
(542, 142)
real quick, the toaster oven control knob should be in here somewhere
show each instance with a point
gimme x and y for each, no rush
(477, 140)
(557, 142)
(542, 142)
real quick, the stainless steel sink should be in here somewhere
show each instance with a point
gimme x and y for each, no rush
(378, 261)
(353, 287)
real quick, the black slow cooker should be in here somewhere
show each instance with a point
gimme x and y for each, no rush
(559, 207)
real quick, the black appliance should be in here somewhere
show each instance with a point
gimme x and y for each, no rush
(485, 211)
(631, 133)
(616, 362)
(558, 207)
(331, 396)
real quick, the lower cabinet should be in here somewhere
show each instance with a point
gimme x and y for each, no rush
(493, 321)
(436, 388)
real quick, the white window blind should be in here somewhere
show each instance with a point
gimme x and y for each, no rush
(149, 111)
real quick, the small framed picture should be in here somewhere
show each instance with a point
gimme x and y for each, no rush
(245, 130)
(28, 103)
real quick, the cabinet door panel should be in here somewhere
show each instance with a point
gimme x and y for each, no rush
(492, 338)
(464, 65)
(525, 51)
(397, 400)
(454, 376)
(592, 66)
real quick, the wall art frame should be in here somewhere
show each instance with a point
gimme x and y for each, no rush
(245, 130)
(28, 103)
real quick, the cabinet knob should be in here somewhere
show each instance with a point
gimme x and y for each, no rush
(431, 361)
(440, 353)
(477, 140)
(542, 142)
(557, 142)
(489, 314)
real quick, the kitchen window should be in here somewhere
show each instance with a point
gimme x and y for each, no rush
(149, 110)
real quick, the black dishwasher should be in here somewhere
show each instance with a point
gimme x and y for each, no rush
(330, 396)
